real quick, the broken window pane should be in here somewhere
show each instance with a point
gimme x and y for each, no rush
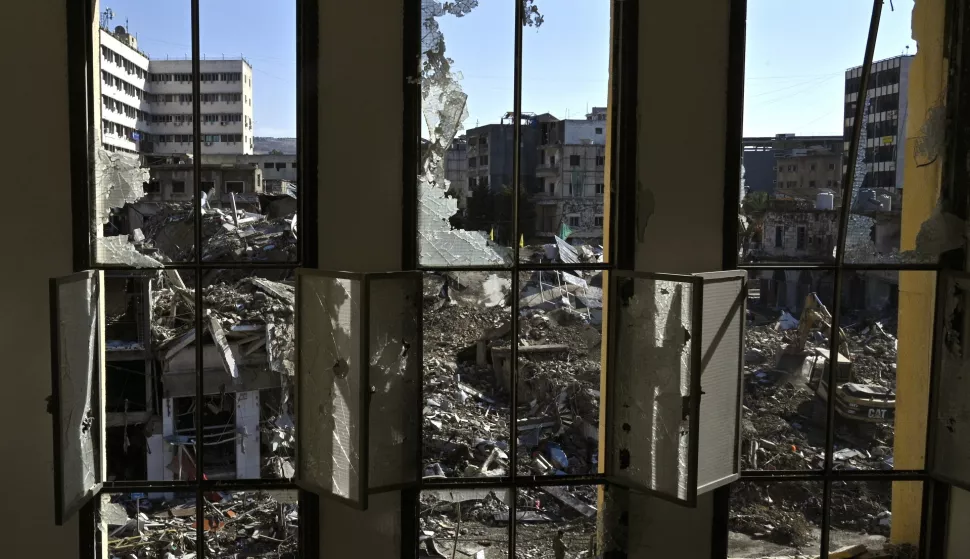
(571, 521)
(784, 417)
(331, 395)
(564, 130)
(249, 369)
(896, 216)
(775, 519)
(252, 523)
(142, 130)
(249, 148)
(887, 318)
(464, 523)
(653, 407)
(465, 184)
(466, 325)
(149, 524)
(881, 517)
(949, 458)
(559, 375)
(77, 386)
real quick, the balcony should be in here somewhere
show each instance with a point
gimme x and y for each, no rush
(547, 170)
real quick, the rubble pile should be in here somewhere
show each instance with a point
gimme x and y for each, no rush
(783, 427)
(467, 347)
(240, 524)
(552, 522)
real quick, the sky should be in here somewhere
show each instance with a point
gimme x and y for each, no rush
(796, 55)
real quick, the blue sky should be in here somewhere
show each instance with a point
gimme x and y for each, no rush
(797, 53)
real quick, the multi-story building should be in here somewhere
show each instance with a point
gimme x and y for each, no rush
(125, 107)
(491, 149)
(147, 104)
(886, 128)
(571, 177)
(793, 165)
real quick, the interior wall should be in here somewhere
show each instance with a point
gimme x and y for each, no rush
(958, 538)
(36, 228)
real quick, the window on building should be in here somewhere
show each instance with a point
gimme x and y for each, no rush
(551, 186)
(178, 187)
(600, 188)
(598, 221)
(800, 235)
(811, 184)
(828, 183)
(483, 160)
(293, 164)
(600, 160)
(574, 161)
(152, 187)
(812, 167)
(779, 236)
(573, 220)
(599, 130)
(472, 161)
(235, 187)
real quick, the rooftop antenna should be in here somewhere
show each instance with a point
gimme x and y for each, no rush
(106, 16)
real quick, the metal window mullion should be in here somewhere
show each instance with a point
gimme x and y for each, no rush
(519, 13)
(847, 183)
(197, 203)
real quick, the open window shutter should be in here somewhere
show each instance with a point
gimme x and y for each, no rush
(949, 422)
(722, 379)
(675, 382)
(77, 356)
(653, 397)
(358, 392)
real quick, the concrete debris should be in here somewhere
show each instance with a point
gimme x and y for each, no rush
(468, 376)
(784, 420)
(240, 524)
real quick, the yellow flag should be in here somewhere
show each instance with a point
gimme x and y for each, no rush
(491, 235)
(522, 241)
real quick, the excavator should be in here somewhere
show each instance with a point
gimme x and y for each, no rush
(864, 405)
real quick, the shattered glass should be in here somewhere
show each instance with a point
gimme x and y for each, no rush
(443, 236)
(464, 523)
(652, 403)
(330, 391)
(393, 305)
(80, 431)
(571, 521)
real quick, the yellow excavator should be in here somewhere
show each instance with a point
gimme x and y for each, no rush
(863, 404)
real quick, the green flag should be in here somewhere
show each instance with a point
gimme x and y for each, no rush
(564, 231)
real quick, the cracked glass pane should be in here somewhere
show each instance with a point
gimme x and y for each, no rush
(783, 418)
(150, 524)
(78, 388)
(464, 523)
(652, 403)
(950, 458)
(248, 369)
(249, 161)
(393, 306)
(562, 169)
(883, 517)
(466, 331)
(465, 180)
(770, 520)
(896, 212)
(330, 391)
(571, 521)
(141, 200)
(887, 321)
(559, 374)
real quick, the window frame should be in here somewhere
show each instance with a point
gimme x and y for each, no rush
(82, 34)
(619, 225)
(955, 188)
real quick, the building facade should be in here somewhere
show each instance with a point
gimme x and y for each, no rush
(784, 164)
(456, 170)
(147, 104)
(886, 128)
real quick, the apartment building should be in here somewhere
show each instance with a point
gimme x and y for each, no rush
(456, 169)
(146, 105)
(886, 127)
(785, 163)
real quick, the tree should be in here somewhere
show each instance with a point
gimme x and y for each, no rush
(276, 152)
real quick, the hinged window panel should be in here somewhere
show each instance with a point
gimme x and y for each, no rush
(949, 426)
(359, 382)
(77, 356)
(653, 396)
